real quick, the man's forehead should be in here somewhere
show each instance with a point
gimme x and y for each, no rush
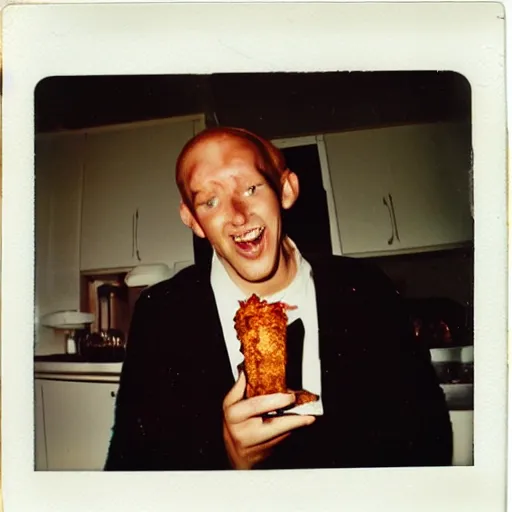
(215, 151)
(219, 146)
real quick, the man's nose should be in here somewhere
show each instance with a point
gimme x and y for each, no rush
(239, 213)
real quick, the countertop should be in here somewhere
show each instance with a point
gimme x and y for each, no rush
(75, 368)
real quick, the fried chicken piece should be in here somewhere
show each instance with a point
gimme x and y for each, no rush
(303, 397)
(261, 329)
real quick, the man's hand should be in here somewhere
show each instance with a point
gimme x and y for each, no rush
(248, 437)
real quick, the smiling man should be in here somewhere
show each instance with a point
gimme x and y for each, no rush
(182, 404)
(230, 200)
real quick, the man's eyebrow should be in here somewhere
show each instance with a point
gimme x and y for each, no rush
(194, 194)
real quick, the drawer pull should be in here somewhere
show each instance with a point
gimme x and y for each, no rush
(392, 238)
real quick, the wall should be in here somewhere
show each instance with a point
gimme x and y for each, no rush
(437, 274)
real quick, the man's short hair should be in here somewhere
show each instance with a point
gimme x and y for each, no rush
(272, 159)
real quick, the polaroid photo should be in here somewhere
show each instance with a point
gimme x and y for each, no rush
(392, 118)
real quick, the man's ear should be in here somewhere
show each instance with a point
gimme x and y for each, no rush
(189, 220)
(289, 189)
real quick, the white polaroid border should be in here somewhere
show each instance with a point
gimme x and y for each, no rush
(92, 39)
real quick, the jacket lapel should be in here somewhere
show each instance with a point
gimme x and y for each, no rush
(325, 299)
(211, 345)
(329, 338)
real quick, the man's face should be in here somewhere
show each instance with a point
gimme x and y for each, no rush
(234, 207)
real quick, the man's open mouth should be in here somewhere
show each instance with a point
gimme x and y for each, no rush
(250, 239)
(253, 235)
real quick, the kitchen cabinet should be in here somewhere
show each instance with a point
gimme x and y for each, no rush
(58, 186)
(77, 422)
(401, 189)
(74, 416)
(462, 425)
(130, 200)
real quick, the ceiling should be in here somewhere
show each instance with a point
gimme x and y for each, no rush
(273, 104)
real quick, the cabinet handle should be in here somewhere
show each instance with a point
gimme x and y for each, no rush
(394, 216)
(137, 234)
(133, 235)
(113, 394)
(390, 240)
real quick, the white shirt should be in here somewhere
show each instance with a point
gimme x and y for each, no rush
(301, 293)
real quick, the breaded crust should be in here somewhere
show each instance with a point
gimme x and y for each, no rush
(261, 329)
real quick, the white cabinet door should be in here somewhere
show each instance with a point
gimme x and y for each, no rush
(130, 204)
(78, 418)
(58, 193)
(430, 184)
(401, 189)
(161, 237)
(40, 437)
(109, 200)
(58, 179)
(359, 166)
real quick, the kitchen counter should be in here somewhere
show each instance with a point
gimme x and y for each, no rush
(97, 384)
(75, 368)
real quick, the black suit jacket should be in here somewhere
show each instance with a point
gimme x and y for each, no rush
(383, 405)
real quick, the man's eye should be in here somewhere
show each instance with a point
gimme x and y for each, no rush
(250, 191)
(211, 202)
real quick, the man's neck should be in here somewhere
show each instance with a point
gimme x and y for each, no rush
(285, 274)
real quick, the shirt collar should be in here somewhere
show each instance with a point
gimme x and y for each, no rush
(220, 279)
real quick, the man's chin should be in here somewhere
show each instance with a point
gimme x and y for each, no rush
(256, 276)
(256, 279)
(254, 271)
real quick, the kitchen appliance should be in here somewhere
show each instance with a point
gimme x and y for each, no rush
(467, 371)
(108, 343)
(445, 327)
(447, 364)
(73, 323)
(147, 275)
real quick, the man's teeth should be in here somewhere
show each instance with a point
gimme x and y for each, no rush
(249, 236)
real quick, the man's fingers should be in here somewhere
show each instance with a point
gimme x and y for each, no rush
(260, 452)
(236, 393)
(276, 427)
(267, 445)
(256, 406)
